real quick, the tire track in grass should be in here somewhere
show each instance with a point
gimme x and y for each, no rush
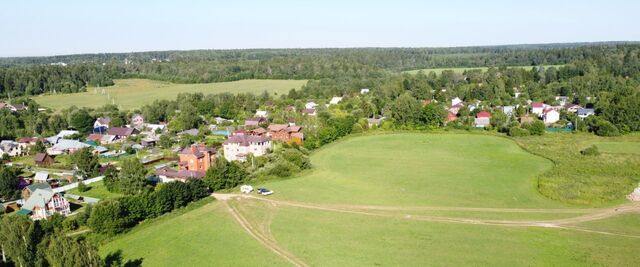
(378, 211)
(265, 241)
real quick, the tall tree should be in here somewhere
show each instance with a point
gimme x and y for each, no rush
(133, 177)
(87, 162)
(19, 238)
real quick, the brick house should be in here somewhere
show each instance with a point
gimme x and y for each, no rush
(286, 133)
(197, 158)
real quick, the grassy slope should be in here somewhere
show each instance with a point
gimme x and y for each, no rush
(96, 190)
(438, 71)
(133, 93)
(594, 180)
(420, 170)
(206, 236)
(618, 147)
(332, 239)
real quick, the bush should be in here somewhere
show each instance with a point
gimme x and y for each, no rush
(606, 128)
(536, 128)
(590, 151)
(517, 131)
(82, 187)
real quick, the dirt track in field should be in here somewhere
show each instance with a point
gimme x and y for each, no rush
(262, 232)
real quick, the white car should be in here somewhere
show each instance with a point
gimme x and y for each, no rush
(246, 189)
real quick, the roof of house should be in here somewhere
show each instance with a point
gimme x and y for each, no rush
(261, 113)
(197, 150)
(64, 144)
(65, 133)
(549, 110)
(94, 137)
(39, 198)
(27, 139)
(35, 186)
(537, 105)
(483, 114)
(41, 176)
(309, 110)
(40, 157)
(246, 140)
(585, 111)
(121, 131)
(335, 100)
(105, 120)
(277, 127)
(258, 131)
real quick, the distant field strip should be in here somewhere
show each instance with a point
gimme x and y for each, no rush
(619, 147)
(462, 69)
(134, 93)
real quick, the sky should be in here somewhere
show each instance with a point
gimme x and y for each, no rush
(58, 27)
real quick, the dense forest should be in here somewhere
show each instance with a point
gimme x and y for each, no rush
(67, 74)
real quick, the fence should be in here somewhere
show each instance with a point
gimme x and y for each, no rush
(74, 185)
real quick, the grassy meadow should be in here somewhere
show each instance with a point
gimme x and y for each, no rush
(438, 71)
(134, 93)
(409, 199)
(95, 190)
(420, 170)
(618, 147)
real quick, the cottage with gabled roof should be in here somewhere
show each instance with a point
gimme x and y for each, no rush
(43, 203)
(537, 108)
(286, 133)
(483, 119)
(254, 122)
(43, 160)
(28, 190)
(550, 116)
(101, 124)
(586, 112)
(137, 121)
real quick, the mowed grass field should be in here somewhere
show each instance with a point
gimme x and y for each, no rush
(134, 93)
(438, 71)
(394, 200)
(420, 170)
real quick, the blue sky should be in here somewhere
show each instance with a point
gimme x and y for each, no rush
(53, 27)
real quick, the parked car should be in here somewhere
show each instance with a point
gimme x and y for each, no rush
(246, 189)
(264, 191)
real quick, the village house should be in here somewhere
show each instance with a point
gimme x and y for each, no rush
(121, 133)
(550, 116)
(483, 119)
(364, 91)
(220, 120)
(237, 147)
(197, 158)
(508, 110)
(258, 131)
(41, 177)
(167, 175)
(309, 111)
(537, 108)
(586, 112)
(254, 122)
(12, 148)
(286, 133)
(15, 107)
(190, 132)
(28, 141)
(562, 100)
(66, 146)
(28, 190)
(377, 121)
(67, 133)
(101, 125)
(43, 203)
(43, 160)
(137, 121)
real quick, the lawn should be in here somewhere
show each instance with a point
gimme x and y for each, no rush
(96, 190)
(414, 169)
(206, 236)
(438, 71)
(434, 200)
(134, 93)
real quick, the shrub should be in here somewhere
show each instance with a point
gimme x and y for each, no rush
(606, 128)
(517, 131)
(536, 128)
(590, 151)
(82, 187)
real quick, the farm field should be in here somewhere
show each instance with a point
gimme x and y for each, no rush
(134, 93)
(398, 200)
(438, 71)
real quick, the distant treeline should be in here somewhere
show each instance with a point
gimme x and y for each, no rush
(37, 75)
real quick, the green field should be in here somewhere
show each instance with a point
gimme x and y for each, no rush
(95, 190)
(397, 200)
(438, 71)
(619, 147)
(133, 93)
